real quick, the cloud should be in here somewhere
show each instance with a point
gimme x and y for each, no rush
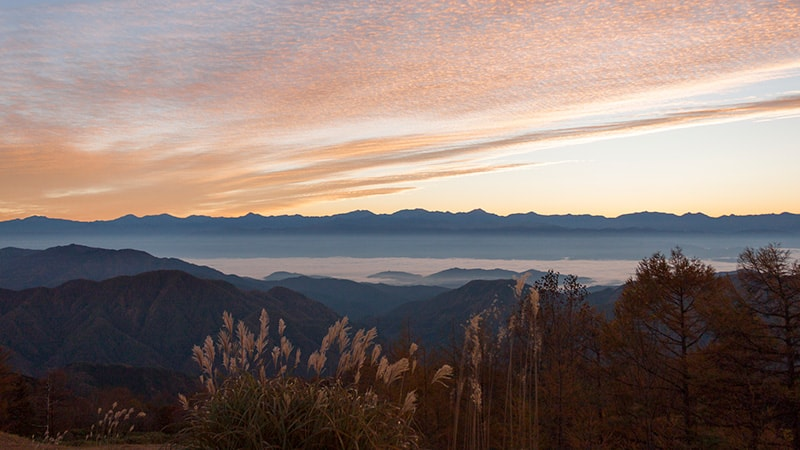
(281, 102)
(79, 192)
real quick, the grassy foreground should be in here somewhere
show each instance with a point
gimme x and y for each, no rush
(14, 442)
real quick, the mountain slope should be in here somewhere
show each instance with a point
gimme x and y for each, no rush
(23, 268)
(437, 320)
(356, 300)
(151, 319)
(440, 320)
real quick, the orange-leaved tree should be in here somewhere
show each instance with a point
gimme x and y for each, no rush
(655, 345)
(769, 280)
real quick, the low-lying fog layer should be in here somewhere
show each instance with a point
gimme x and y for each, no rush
(601, 272)
(605, 257)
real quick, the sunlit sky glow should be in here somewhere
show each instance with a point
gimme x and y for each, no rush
(319, 107)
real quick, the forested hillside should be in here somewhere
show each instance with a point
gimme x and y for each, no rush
(150, 319)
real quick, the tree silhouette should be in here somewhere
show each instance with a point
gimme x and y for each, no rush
(567, 327)
(661, 325)
(770, 285)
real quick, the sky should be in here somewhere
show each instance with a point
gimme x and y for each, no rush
(319, 107)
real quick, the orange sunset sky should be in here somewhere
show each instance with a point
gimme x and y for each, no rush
(319, 107)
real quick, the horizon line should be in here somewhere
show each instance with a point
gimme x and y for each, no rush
(355, 211)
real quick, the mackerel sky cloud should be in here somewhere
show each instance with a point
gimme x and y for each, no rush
(319, 107)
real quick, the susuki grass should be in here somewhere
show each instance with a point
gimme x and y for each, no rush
(498, 367)
(355, 397)
(113, 424)
(48, 439)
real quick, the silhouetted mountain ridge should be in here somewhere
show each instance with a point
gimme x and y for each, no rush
(407, 221)
(22, 268)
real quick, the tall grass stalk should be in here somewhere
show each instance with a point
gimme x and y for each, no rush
(496, 396)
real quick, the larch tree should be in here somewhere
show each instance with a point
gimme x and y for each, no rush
(660, 326)
(770, 283)
(739, 398)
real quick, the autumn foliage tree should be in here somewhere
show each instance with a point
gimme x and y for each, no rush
(769, 281)
(660, 328)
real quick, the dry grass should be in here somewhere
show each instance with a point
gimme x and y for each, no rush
(252, 399)
(13, 442)
(113, 424)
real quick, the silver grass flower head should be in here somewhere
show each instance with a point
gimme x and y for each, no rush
(395, 371)
(344, 365)
(442, 375)
(410, 403)
(533, 298)
(520, 283)
(376, 353)
(263, 320)
(286, 347)
(476, 394)
(246, 339)
(382, 366)
(227, 321)
(276, 352)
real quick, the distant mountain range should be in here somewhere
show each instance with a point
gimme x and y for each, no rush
(407, 221)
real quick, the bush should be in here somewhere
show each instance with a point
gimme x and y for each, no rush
(252, 401)
(290, 413)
